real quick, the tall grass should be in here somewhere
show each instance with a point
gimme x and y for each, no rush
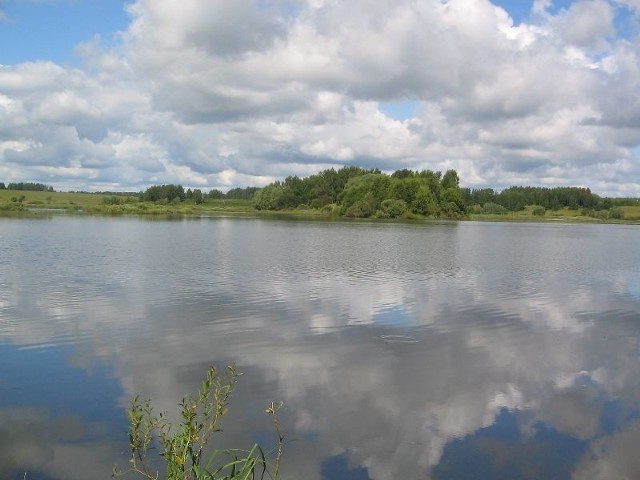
(183, 446)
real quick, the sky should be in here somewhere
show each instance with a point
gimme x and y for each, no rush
(105, 95)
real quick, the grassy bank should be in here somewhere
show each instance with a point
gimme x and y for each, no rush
(631, 216)
(36, 203)
(42, 203)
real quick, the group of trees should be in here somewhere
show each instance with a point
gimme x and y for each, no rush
(176, 193)
(34, 187)
(516, 198)
(171, 193)
(357, 192)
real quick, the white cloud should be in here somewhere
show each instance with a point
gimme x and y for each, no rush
(292, 87)
(586, 22)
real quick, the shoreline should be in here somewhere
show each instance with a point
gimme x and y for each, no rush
(36, 204)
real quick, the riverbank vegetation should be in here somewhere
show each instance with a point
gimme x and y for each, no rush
(359, 193)
(349, 192)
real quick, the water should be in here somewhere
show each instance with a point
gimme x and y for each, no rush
(443, 351)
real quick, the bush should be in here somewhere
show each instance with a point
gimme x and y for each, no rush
(362, 208)
(538, 211)
(392, 208)
(494, 209)
(112, 200)
(617, 213)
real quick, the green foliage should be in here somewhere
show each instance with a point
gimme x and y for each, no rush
(34, 187)
(493, 209)
(362, 207)
(516, 198)
(424, 202)
(239, 193)
(168, 193)
(363, 194)
(405, 188)
(270, 197)
(183, 446)
(11, 207)
(216, 194)
(112, 200)
(198, 197)
(538, 211)
(616, 213)
(452, 197)
(450, 180)
(480, 196)
(392, 208)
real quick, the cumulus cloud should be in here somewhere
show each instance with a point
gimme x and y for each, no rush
(251, 92)
(587, 23)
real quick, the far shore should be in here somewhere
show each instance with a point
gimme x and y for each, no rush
(34, 204)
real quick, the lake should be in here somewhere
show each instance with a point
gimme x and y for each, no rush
(436, 350)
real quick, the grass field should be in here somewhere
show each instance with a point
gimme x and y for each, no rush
(90, 203)
(631, 215)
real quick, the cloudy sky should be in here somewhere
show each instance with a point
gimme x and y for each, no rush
(120, 95)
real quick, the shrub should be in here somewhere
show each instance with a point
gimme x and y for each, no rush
(183, 448)
(392, 208)
(494, 209)
(112, 200)
(617, 213)
(538, 211)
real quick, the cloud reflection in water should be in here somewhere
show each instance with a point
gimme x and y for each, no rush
(522, 359)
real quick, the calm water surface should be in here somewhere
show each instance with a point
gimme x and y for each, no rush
(442, 351)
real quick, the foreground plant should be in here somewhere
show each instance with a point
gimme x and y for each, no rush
(183, 446)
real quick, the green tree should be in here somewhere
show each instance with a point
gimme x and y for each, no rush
(367, 190)
(403, 173)
(405, 188)
(451, 202)
(450, 179)
(269, 197)
(495, 209)
(326, 186)
(215, 194)
(363, 207)
(424, 202)
(242, 193)
(432, 180)
(164, 192)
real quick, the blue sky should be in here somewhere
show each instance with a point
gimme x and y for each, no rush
(103, 94)
(50, 30)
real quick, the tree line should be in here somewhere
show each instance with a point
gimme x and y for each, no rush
(358, 192)
(517, 198)
(34, 187)
(172, 193)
